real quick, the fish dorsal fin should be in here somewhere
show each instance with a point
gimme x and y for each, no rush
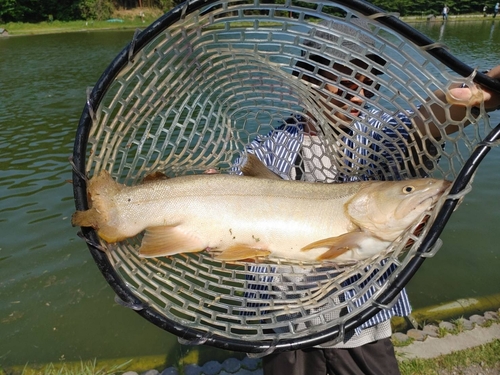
(155, 176)
(241, 252)
(168, 240)
(253, 167)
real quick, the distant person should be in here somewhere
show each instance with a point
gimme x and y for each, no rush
(445, 12)
(495, 10)
(485, 11)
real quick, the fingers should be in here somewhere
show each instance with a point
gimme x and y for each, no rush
(494, 72)
(491, 98)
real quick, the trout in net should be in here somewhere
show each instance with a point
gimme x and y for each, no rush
(244, 217)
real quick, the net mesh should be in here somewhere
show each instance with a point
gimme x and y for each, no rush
(233, 72)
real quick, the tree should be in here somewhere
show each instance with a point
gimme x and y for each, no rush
(8, 11)
(166, 5)
(403, 7)
(96, 9)
(66, 10)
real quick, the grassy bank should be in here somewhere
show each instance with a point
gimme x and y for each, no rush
(122, 20)
(130, 19)
(470, 361)
(482, 359)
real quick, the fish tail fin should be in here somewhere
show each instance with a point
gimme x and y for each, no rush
(95, 219)
(88, 218)
(101, 189)
(103, 182)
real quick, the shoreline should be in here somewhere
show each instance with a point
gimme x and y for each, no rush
(60, 27)
(429, 342)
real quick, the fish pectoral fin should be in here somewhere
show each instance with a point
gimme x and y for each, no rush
(338, 245)
(241, 252)
(166, 241)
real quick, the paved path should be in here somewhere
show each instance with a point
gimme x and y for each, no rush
(434, 347)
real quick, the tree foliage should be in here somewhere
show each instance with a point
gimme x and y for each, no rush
(67, 10)
(96, 9)
(428, 7)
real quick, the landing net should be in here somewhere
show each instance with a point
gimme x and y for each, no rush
(209, 78)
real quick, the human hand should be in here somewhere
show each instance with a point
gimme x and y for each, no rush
(473, 96)
(492, 98)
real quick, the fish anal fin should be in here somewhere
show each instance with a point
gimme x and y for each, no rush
(168, 240)
(253, 167)
(241, 252)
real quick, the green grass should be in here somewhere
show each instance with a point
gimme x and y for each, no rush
(84, 368)
(484, 356)
(132, 22)
(19, 28)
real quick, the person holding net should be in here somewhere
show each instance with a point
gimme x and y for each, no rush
(369, 144)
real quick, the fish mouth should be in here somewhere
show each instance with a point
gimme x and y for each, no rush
(429, 204)
(430, 201)
(442, 190)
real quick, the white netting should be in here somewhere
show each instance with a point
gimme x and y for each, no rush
(213, 82)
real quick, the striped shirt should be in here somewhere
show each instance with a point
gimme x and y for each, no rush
(373, 150)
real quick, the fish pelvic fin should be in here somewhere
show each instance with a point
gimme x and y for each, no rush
(168, 240)
(253, 167)
(241, 252)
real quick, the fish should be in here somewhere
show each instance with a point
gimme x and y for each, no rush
(249, 217)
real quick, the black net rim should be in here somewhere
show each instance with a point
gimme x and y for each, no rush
(193, 336)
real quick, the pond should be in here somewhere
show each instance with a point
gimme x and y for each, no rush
(55, 304)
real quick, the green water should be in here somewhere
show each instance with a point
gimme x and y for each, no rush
(55, 304)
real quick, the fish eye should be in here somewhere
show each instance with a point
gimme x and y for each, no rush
(408, 189)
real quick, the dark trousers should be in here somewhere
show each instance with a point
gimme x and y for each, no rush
(376, 358)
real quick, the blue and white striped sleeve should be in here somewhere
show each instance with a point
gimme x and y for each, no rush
(277, 150)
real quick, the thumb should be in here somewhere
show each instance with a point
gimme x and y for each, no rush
(467, 96)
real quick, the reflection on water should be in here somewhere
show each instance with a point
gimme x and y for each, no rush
(54, 302)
